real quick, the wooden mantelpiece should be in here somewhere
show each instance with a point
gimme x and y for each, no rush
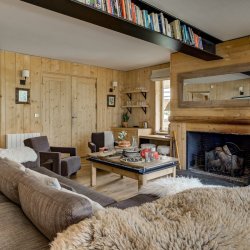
(181, 130)
(233, 119)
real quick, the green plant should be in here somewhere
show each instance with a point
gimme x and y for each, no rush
(125, 117)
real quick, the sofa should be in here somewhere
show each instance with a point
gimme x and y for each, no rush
(26, 222)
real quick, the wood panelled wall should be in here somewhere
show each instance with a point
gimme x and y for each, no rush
(19, 118)
(236, 54)
(141, 78)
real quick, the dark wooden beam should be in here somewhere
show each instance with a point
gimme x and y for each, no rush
(98, 17)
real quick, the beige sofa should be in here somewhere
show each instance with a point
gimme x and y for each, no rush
(31, 213)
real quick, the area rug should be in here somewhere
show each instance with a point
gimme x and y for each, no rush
(201, 218)
(170, 186)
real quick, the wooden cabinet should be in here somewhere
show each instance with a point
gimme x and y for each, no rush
(132, 132)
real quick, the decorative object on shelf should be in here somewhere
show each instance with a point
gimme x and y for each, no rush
(125, 118)
(22, 96)
(25, 75)
(122, 142)
(111, 100)
(114, 85)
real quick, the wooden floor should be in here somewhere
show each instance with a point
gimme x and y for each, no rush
(109, 184)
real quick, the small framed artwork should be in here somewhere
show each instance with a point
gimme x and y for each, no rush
(111, 100)
(22, 96)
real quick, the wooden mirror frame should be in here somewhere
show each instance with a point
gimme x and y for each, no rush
(230, 69)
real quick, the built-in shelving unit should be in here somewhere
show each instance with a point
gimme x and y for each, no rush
(99, 17)
(143, 107)
(129, 93)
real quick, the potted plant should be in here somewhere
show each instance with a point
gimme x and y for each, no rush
(125, 118)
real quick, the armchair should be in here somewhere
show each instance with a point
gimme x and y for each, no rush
(101, 139)
(50, 157)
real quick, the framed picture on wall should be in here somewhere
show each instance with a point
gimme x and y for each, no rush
(111, 100)
(22, 96)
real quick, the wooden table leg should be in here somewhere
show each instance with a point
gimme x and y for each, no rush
(93, 175)
(174, 171)
(142, 181)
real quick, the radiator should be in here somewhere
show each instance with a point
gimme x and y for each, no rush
(16, 140)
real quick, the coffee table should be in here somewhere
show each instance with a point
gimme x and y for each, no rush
(142, 172)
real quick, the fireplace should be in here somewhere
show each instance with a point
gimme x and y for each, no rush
(220, 154)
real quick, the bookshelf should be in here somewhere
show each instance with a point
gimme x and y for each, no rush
(101, 18)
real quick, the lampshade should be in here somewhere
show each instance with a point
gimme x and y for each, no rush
(114, 84)
(25, 73)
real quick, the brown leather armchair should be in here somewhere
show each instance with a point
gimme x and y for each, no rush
(50, 157)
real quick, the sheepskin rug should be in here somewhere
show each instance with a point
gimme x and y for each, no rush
(194, 219)
(171, 185)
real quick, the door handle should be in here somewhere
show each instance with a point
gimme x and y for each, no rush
(74, 117)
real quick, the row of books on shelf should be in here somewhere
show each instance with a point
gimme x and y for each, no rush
(154, 21)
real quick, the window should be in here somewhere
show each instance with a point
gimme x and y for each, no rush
(165, 104)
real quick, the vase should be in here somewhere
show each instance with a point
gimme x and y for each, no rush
(124, 124)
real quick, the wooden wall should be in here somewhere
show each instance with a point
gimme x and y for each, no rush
(236, 55)
(19, 118)
(141, 78)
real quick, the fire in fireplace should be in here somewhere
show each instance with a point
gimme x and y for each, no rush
(224, 154)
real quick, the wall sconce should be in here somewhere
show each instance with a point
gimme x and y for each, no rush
(25, 75)
(114, 85)
(241, 90)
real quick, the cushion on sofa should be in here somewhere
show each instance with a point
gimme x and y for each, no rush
(95, 206)
(10, 176)
(46, 180)
(10, 163)
(79, 188)
(51, 210)
(17, 231)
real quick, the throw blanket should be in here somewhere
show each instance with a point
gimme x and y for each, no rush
(20, 155)
(194, 219)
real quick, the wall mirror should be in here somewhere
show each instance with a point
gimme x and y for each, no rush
(215, 90)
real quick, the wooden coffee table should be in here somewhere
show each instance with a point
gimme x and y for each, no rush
(142, 172)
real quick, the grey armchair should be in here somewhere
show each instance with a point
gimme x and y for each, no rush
(50, 157)
(101, 139)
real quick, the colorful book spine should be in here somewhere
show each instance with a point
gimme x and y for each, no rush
(123, 9)
(154, 21)
(98, 4)
(133, 12)
(109, 8)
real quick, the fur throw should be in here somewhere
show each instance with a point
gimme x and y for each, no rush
(194, 219)
(20, 155)
(170, 186)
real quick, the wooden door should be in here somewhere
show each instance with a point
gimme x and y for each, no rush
(56, 109)
(83, 112)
